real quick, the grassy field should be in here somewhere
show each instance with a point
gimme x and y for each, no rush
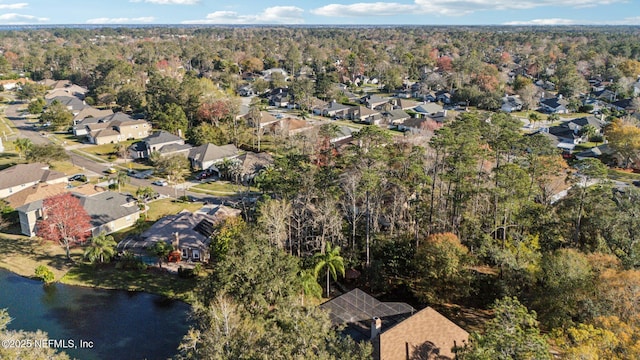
(106, 151)
(66, 139)
(615, 174)
(151, 280)
(222, 187)
(163, 207)
(22, 255)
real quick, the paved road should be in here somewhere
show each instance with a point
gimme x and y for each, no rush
(93, 168)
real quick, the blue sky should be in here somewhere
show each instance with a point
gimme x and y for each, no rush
(410, 12)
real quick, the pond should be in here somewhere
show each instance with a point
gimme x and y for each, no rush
(119, 324)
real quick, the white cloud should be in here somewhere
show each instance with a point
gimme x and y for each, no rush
(104, 20)
(19, 19)
(626, 21)
(169, 2)
(448, 7)
(13, 6)
(553, 21)
(364, 9)
(272, 15)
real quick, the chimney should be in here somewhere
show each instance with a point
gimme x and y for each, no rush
(176, 242)
(376, 327)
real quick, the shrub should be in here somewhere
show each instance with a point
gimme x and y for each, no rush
(45, 274)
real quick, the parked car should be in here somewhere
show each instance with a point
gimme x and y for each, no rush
(78, 177)
(160, 183)
(205, 174)
(111, 171)
(636, 183)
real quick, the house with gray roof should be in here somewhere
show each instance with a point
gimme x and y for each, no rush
(335, 109)
(554, 105)
(115, 128)
(86, 116)
(396, 116)
(188, 232)
(108, 212)
(206, 156)
(162, 142)
(72, 103)
(23, 176)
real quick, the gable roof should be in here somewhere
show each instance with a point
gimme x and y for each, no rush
(429, 108)
(425, 328)
(554, 103)
(192, 233)
(253, 162)
(34, 193)
(107, 206)
(356, 309)
(91, 113)
(162, 137)
(211, 152)
(27, 173)
(68, 101)
(405, 104)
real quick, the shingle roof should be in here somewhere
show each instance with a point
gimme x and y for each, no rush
(34, 193)
(162, 137)
(107, 206)
(27, 173)
(426, 326)
(211, 152)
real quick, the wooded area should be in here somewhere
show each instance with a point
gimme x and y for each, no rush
(466, 215)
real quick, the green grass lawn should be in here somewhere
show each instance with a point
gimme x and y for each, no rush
(106, 151)
(150, 280)
(22, 255)
(8, 159)
(65, 167)
(615, 174)
(223, 187)
(163, 207)
(67, 139)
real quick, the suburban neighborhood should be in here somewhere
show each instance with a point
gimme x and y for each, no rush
(408, 193)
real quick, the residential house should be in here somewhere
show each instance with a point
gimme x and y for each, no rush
(288, 127)
(396, 116)
(280, 97)
(511, 103)
(115, 128)
(420, 125)
(252, 164)
(443, 96)
(108, 211)
(267, 74)
(266, 119)
(189, 232)
(55, 84)
(596, 152)
(343, 135)
(404, 104)
(68, 90)
(554, 105)
(396, 330)
(72, 103)
(567, 135)
(10, 84)
(366, 115)
(87, 116)
(162, 142)
(206, 156)
(246, 90)
(19, 177)
(605, 94)
(336, 110)
(623, 105)
(374, 101)
(429, 109)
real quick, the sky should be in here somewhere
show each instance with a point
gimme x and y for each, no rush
(317, 12)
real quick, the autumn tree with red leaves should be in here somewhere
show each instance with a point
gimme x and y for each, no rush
(64, 221)
(215, 111)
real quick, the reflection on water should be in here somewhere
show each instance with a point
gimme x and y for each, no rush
(121, 324)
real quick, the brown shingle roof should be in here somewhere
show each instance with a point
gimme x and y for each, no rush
(35, 193)
(425, 329)
(27, 173)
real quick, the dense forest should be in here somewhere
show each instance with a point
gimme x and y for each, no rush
(467, 217)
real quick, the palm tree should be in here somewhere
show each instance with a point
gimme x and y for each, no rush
(332, 261)
(22, 145)
(310, 286)
(121, 179)
(102, 248)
